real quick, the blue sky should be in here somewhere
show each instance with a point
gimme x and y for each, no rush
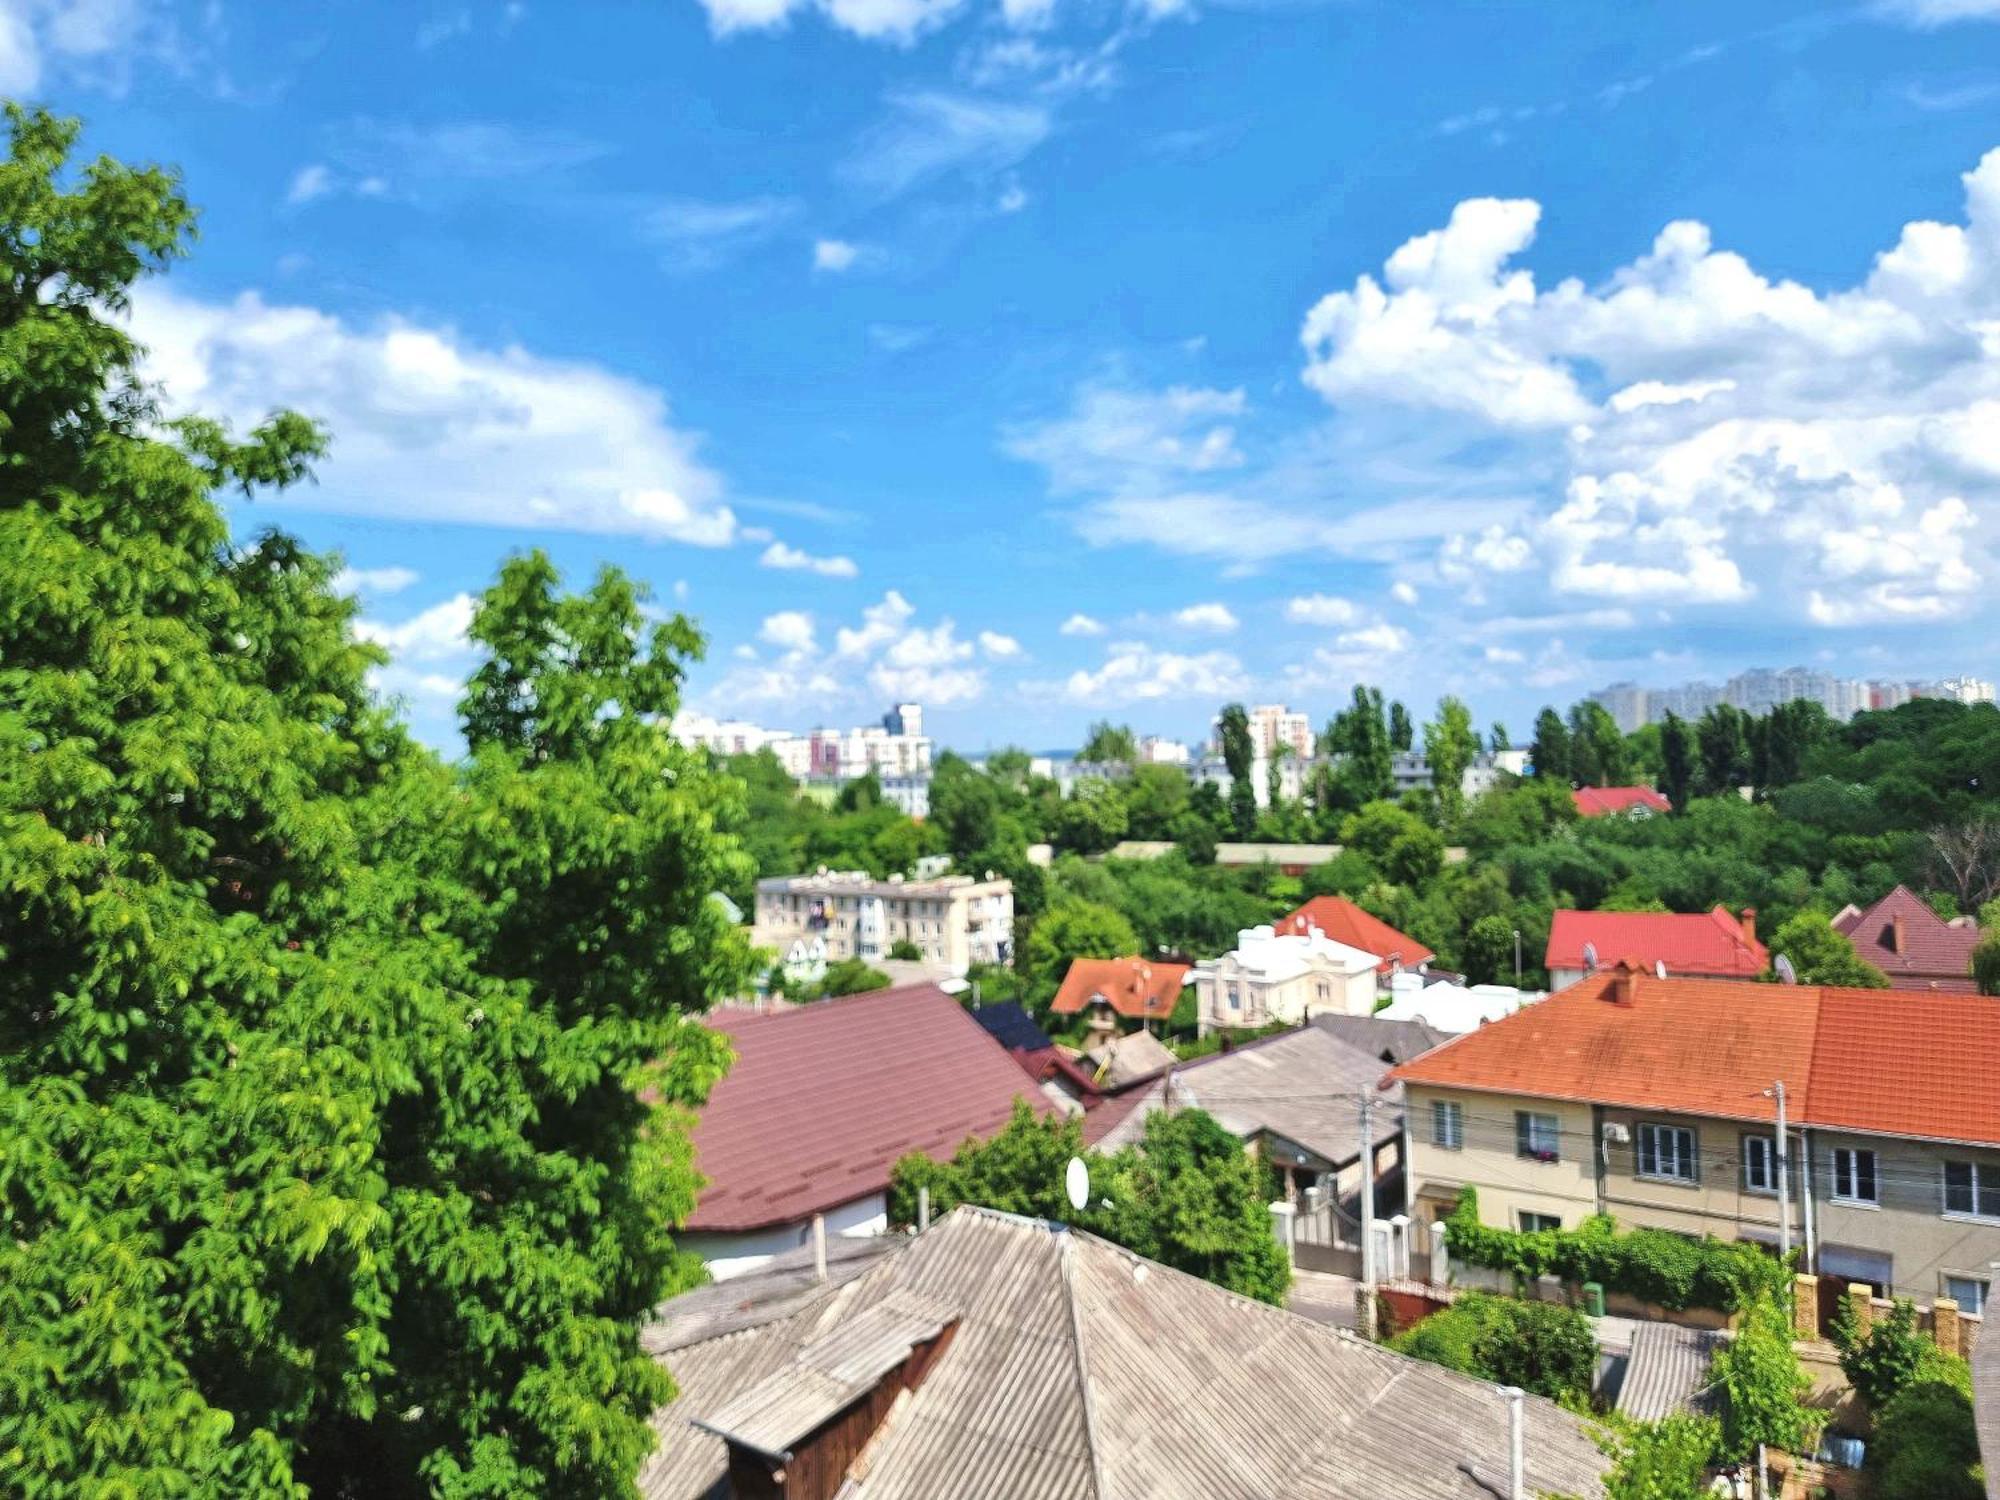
(1047, 362)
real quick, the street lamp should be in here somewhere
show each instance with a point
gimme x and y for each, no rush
(1517, 958)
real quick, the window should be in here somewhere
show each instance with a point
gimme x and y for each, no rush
(1854, 1176)
(1666, 1151)
(1447, 1124)
(1971, 1189)
(1537, 1137)
(1530, 1223)
(1968, 1292)
(1760, 1164)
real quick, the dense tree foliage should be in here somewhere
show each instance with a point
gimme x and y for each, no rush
(341, 1090)
(1763, 1388)
(1189, 1197)
(1109, 743)
(1539, 1346)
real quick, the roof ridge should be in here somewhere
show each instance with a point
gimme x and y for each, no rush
(1066, 1262)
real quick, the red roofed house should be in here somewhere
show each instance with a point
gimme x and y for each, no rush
(1912, 944)
(1705, 945)
(1344, 922)
(1623, 801)
(821, 1102)
(1111, 990)
(1650, 1100)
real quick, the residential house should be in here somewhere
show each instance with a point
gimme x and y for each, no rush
(1340, 919)
(952, 920)
(1913, 945)
(995, 1357)
(1619, 801)
(1267, 979)
(1294, 1098)
(1709, 945)
(1653, 1100)
(821, 1102)
(1450, 1006)
(1118, 1061)
(1115, 994)
(1393, 1041)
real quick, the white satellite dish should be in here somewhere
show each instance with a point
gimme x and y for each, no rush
(1786, 973)
(1590, 958)
(1076, 1183)
(1660, 968)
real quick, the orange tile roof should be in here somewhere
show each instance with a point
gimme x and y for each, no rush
(1866, 1060)
(1711, 944)
(1137, 988)
(1597, 801)
(1344, 922)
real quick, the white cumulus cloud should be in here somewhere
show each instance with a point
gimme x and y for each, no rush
(1081, 624)
(1218, 618)
(1321, 609)
(788, 630)
(792, 559)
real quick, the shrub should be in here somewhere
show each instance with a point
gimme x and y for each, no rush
(1926, 1447)
(1538, 1346)
(1763, 1387)
(1892, 1356)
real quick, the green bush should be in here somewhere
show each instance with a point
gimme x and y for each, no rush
(1539, 1346)
(1925, 1446)
(1894, 1355)
(1651, 1264)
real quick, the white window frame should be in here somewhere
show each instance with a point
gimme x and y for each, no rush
(1984, 1182)
(1447, 1124)
(1526, 1123)
(1764, 1147)
(1982, 1289)
(1649, 1137)
(1851, 1196)
(1522, 1215)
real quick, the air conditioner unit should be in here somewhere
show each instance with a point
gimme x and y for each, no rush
(1616, 1134)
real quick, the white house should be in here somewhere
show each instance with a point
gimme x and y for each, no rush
(1267, 979)
(1456, 1008)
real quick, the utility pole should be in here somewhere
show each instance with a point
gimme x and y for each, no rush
(1367, 1308)
(1784, 1180)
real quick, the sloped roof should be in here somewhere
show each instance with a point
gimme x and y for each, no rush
(1302, 1085)
(823, 1099)
(1597, 801)
(1137, 988)
(1711, 944)
(1378, 1034)
(1344, 922)
(1871, 1061)
(1229, 853)
(1667, 1370)
(1934, 955)
(1050, 1387)
(1011, 1026)
(1120, 1061)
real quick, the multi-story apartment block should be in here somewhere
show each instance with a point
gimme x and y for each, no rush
(897, 747)
(1762, 689)
(955, 921)
(1625, 702)
(1655, 1101)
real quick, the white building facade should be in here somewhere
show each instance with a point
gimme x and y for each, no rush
(1267, 979)
(954, 921)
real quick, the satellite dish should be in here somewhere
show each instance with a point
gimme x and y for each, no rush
(1076, 1183)
(1786, 973)
(1590, 958)
(1660, 968)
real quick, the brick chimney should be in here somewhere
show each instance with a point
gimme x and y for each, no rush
(1624, 986)
(1749, 924)
(1899, 937)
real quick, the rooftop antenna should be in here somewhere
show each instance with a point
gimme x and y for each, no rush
(1076, 1183)
(1786, 973)
(1590, 958)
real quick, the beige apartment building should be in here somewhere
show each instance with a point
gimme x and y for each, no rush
(1653, 1101)
(955, 921)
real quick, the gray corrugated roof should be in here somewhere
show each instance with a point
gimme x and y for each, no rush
(1375, 1035)
(1986, 1406)
(1068, 1350)
(1666, 1370)
(1302, 1085)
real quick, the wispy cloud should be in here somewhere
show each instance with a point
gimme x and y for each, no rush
(931, 134)
(695, 234)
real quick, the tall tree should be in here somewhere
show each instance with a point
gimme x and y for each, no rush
(1598, 754)
(1449, 745)
(1070, 930)
(1497, 738)
(321, 1063)
(1233, 730)
(1109, 744)
(1677, 761)
(1549, 756)
(1402, 733)
(1725, 750)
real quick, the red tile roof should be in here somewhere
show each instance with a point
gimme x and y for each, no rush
(1931, 954)
(823, 1099)
(1712, 944)
(1134, 987)
(1596, 801)
(1864, 1060)
(1344, 922)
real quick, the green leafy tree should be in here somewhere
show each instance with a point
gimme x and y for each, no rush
(1548, 753)
(1763, 1387)
(1724, 745)
(1416, 857)
(1892, 1355)
(342, 1090)
(1539, 1346)
(1233, 730)
(1109, 744)
(1820, 955)
(1926, 1446)
(1092, 817)
(1155, 797)
(1664, 1460)
(1598, 752)
(1487, 954)
(1358, 738)
(1497, 738)
(1677, 761)
(1402, 733)
(1450, 742)
(1071, 930)
(905, 951)
(1986, 963)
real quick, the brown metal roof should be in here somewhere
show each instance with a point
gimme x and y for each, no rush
(1052, 1383)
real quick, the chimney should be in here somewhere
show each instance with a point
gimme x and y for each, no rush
(1517, 1442)
(1749, 924)
(1624, 986)
(1898, 937)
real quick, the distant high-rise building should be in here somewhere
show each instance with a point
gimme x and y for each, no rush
(1761, 689)
(1625, 702)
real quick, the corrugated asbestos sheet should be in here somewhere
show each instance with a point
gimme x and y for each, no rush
(1986, 1407)
(1666, 1370)
(1080, 1370)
